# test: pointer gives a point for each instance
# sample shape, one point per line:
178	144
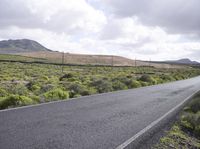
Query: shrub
47	87
35	87
117	85
67	76
18	89
132	83
195	104
187	122
197	130
124	80
76	88
191	122
146	78
165	77
72	79
56	94
88	91
158	80
144	83
77	95
15	100
35	98
3	93
102	85
135	84
46	78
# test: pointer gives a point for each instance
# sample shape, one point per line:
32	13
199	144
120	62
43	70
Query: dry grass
94	59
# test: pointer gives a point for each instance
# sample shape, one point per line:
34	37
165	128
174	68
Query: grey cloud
136	45
175	16
111	31
14	13
18	13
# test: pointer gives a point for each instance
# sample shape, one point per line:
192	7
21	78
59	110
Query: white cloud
81	27
69	16
180	16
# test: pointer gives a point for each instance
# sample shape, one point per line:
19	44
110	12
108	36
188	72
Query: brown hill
83	59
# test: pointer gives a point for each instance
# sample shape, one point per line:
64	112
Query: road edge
93	95
135	141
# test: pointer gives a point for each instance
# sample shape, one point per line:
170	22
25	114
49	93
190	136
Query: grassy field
185	134
29	83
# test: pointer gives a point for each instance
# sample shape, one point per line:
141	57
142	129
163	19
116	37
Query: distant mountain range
20	46
30	48
183	61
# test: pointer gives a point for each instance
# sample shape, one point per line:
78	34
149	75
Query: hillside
20	46
32	49
83	59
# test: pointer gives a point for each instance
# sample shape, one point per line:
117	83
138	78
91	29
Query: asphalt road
94	122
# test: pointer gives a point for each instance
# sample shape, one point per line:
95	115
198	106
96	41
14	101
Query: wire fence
80	59
61	58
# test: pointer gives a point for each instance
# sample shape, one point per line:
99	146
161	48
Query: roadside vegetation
185	134
24	84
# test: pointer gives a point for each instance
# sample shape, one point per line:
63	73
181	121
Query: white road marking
154	123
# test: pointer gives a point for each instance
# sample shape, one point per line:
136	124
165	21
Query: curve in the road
100	121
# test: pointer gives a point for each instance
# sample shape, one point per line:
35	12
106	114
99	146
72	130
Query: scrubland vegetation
24	84
185	134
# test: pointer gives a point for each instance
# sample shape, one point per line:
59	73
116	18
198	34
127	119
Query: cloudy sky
142	29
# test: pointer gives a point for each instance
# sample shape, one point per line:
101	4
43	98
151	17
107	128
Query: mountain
20	46
32	49
184	61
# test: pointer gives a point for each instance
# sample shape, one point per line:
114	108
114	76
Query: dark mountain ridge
183	61
20	46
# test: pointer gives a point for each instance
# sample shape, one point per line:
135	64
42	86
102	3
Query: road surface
95	122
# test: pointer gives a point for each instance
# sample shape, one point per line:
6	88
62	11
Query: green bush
122	79
76	88
186	125
18	89
135	84
35	98
146	78
88	91
66	76
102	85
76	96
56	94
167	78
144	83
197	130
3	92
195	104
15	100
90	80
47	87
46	78
35	87
191	122
117	85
